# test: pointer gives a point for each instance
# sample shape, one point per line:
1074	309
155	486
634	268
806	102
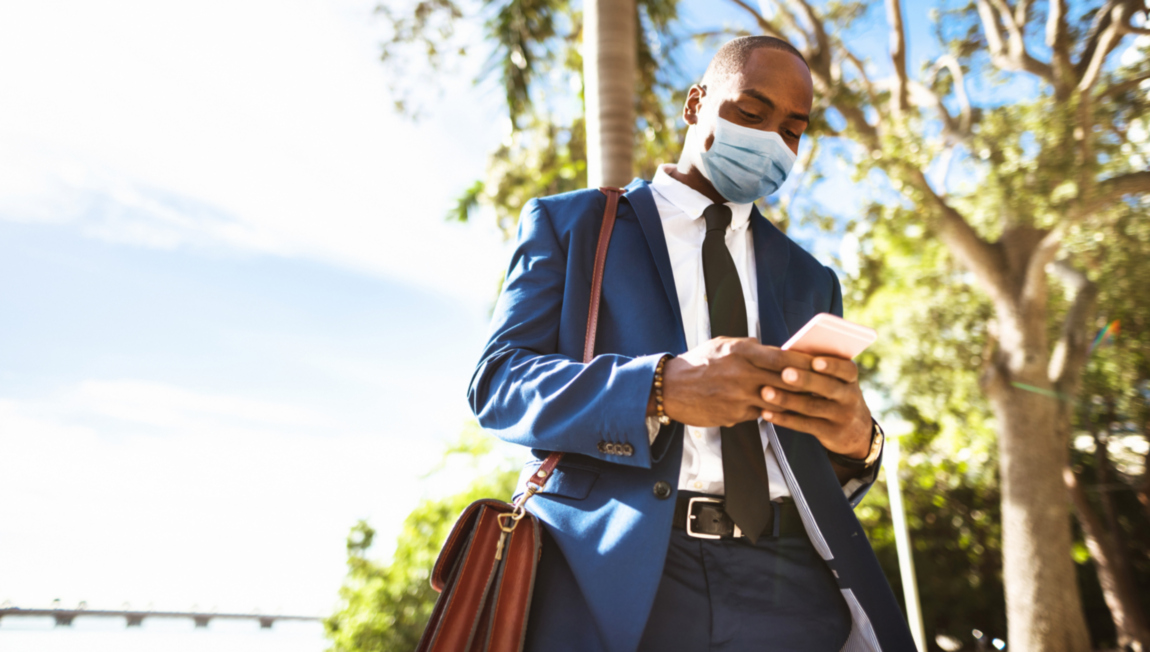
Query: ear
691	108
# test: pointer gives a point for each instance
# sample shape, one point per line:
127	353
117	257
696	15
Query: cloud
249	126
176	409
163	494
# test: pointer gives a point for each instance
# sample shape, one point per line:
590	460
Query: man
705	498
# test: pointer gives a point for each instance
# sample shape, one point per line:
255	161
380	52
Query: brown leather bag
486	570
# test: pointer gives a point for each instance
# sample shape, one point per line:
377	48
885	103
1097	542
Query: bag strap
536	482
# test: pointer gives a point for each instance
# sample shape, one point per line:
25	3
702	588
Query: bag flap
457	540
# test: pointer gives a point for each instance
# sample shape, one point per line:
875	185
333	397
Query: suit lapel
772	254
639	197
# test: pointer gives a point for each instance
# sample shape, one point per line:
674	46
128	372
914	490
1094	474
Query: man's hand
716	384
819	396
730	380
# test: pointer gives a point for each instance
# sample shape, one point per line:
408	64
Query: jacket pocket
566	481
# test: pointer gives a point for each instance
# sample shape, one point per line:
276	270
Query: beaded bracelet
659	413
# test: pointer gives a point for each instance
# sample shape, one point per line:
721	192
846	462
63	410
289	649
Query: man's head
756	82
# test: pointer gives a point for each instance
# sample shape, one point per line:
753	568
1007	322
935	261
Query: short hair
734	54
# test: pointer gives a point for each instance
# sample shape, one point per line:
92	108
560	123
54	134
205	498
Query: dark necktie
748	493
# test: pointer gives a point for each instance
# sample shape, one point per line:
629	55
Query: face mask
744	164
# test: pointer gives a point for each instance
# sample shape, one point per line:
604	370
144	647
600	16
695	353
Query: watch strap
877	439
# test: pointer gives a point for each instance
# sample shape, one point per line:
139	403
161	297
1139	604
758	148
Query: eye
748	115
790	134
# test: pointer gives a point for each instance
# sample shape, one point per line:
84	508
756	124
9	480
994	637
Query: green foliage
955	537
385	606
931	343
1004	150
535	58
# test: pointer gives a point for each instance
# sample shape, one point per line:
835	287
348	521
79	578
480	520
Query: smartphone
826	334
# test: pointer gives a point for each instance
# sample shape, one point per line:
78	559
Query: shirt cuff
652	428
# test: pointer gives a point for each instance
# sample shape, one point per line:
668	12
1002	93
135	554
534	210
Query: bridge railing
135	617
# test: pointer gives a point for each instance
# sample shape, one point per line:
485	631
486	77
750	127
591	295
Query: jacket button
662	490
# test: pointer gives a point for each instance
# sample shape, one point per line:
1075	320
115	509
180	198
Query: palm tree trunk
609	47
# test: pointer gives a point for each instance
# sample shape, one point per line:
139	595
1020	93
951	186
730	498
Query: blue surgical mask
745	164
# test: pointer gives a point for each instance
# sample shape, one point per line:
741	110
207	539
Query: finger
810	381
810	425
804	404
773	358
844	370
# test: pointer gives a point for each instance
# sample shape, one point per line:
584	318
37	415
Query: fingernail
769	393
790	375
768	415
819	364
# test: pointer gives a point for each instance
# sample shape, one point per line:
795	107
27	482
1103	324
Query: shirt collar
691	201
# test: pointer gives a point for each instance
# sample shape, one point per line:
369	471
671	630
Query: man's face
771	93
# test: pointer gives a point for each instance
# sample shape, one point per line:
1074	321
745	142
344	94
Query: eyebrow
766	100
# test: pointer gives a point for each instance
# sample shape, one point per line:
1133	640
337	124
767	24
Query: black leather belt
703	517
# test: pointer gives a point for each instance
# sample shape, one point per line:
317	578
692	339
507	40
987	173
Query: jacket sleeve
525	392
855	488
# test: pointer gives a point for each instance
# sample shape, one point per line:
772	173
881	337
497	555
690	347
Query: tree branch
975	253
990	28
1143	490
793	21
1058	40
1112	190
923	95
1108	28
899	101
1113	570
951	63
1033	291
867	85
1022	12
820	59
1073	346
820	55
764	24
1121	87
816	25
1010	54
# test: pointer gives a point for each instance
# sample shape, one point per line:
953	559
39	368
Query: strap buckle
691	518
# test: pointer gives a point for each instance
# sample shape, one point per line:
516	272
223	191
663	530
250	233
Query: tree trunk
1043	606
1143	491
609	47
1113	571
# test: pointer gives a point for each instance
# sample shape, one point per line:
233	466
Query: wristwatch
876	440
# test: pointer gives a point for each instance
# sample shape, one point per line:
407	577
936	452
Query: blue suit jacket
530	388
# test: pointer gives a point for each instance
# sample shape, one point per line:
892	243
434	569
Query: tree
384	607
1114	407
1043	164
991	195
623	121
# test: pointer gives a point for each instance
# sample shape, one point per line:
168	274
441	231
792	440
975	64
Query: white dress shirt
681	212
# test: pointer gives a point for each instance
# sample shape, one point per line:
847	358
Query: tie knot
718	217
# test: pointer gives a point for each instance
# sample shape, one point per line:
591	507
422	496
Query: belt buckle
691	516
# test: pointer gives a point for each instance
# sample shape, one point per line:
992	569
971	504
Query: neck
689	174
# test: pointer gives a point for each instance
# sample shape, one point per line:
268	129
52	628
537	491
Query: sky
233	320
